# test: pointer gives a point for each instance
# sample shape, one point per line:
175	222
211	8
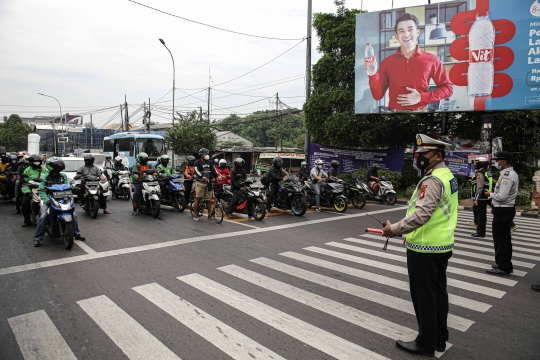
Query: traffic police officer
483	180
503	199
430	223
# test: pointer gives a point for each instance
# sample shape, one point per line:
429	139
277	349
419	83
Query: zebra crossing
379	278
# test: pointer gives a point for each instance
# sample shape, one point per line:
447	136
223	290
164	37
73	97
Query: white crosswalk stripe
515	240
133	339
525	235
322	340
469	216
458	238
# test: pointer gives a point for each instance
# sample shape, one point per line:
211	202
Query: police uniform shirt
429	193
480	181
506	190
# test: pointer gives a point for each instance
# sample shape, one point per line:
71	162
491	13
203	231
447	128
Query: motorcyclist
205	173
107	165
215	161
373	177
238	175
304	171
12	177
4	161
277	174
54	166
332	172
90	170
189	173
18	184
31	173
139	173
117	166
164	169
317	177
225	177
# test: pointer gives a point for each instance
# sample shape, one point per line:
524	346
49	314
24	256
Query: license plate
92	183
153	183
178	181
62	194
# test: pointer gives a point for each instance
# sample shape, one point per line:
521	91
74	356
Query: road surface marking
377	297
166	244
453	259
134	340
38	338
241	223
515	235
402	270
517	220
488	240
450	269
489	245
357	317
85	247
311	335
219	334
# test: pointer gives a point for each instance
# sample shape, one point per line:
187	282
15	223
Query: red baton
374	231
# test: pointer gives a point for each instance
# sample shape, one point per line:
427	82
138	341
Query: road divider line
311	335
455	322
219	334
166	244
402	270
133	339
352	315
453	259
38	338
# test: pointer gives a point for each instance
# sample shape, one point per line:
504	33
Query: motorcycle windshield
60	187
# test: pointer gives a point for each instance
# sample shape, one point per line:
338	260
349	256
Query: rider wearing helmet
373	177
189	173
55	176
117	166
139	173
107	165
317	177
12	177
89	170
164	169
332	172
304	171
277	174
205	174
4	161
238	176
18	184
225	174
482	181
31	173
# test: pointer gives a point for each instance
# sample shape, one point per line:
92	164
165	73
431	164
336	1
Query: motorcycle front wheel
390	198
93	209
127	193
179	202
358	200
156	208
66	233
340	204
298	205
259	210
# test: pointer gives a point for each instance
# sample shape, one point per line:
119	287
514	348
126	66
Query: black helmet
239	162
191	158
278	162
375	166
35	161
55	164
89	159
334	164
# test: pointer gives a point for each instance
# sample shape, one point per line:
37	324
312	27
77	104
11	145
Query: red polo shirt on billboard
397	73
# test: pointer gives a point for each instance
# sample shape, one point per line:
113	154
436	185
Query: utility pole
148	117
200	113
121	118
127	116
308	72
144	119
277	115
91	133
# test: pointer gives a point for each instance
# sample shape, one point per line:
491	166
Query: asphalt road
313	287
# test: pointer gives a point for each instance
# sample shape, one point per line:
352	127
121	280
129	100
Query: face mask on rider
144	161
206	157
191	163
422	162
319	167
37	163
216	160
222	166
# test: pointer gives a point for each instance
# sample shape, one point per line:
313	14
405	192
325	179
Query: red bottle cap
482	13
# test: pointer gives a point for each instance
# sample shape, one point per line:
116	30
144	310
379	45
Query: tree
189	135
14	133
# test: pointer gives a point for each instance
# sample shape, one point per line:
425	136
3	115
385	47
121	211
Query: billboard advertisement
354	159
470	55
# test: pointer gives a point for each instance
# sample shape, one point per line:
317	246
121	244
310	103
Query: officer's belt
513	205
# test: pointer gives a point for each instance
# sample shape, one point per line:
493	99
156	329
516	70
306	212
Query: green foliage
14	133
392	176
260	128
345	177
409	176
410	191
361	173
189	135
524	197
465	193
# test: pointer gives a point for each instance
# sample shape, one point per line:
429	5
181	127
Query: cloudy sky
89	54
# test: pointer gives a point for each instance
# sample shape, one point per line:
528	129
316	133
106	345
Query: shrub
345	177
524	197
465	193
409	191
361	173
392	176
409	176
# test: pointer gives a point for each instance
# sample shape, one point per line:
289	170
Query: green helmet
204	151
141	157
159	160
55	164
303	163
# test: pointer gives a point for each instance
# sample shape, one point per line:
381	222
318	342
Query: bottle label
481	55
369	59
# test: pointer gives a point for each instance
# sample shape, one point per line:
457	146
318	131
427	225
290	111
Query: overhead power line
211	26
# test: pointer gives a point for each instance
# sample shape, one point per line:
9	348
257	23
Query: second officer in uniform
430	223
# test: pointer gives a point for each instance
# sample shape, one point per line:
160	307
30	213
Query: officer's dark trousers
427	280
480	217
503	217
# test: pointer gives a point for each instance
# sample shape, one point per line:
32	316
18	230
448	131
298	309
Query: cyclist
205	173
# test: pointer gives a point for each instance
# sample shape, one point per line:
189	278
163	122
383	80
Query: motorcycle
90	201
290	196
59	220
354	192
151	195
4	183
251	198
35	205
105	186
385	193
175	195
332	194
123	187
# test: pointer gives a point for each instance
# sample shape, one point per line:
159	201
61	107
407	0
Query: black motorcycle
90	200
250	199
290	196
332	194
354	191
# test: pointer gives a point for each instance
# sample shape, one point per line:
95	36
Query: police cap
424	144
504	155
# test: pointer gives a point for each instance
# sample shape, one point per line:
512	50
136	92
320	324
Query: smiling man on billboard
407	73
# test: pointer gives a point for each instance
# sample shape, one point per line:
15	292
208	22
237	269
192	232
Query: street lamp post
61	122
173	87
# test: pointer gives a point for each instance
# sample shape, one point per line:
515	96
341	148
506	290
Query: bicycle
217	211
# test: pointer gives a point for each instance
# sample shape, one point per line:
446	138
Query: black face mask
422	162
222	166
144	161
165	164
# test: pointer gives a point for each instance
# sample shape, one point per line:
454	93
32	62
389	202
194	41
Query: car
72	165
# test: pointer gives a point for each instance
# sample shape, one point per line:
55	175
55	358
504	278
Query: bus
127	145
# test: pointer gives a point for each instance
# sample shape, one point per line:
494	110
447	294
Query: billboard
470	55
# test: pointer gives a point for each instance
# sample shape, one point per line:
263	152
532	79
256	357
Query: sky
90	54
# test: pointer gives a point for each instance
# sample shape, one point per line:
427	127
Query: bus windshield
152	147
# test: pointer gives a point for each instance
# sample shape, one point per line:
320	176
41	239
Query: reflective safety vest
437	235
488	185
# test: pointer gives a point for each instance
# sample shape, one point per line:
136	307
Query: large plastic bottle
371	62
481	43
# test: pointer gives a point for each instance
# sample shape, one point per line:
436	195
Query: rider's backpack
265	179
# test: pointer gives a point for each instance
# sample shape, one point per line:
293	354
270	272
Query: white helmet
481	159
222	161
318	162
118	159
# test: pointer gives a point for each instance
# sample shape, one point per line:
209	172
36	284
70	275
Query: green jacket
30	174
42	184
165	170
